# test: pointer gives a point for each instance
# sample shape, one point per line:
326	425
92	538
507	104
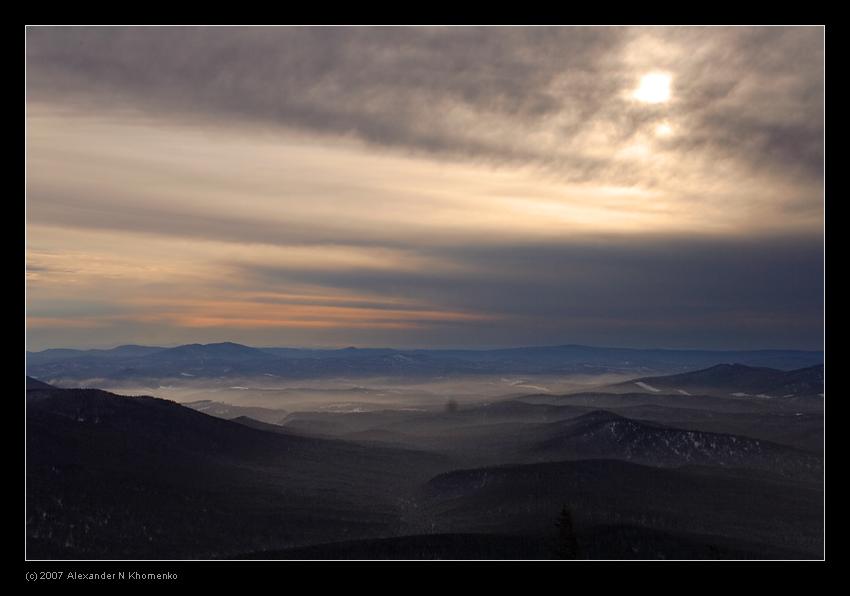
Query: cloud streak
539	95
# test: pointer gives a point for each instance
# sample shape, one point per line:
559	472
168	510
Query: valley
450	466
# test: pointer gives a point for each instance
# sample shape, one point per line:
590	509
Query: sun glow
663	130
653	88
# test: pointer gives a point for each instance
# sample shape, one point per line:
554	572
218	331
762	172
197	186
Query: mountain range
723	461
111	476
732	379
227	360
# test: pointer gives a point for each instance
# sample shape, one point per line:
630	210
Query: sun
654	88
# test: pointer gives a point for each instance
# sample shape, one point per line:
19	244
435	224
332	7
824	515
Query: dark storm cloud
751	93
387	86
737	285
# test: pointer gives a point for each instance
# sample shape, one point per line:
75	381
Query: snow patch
646	386
537	387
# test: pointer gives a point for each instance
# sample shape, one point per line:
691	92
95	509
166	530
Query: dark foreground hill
139	477
36	384
751	508
617	542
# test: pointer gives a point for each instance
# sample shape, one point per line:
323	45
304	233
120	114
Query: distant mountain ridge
230	359
735	380
224	351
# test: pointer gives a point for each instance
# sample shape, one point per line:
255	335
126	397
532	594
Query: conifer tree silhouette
566	546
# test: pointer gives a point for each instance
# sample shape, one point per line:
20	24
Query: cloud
557	97
648	278
227	187
425	186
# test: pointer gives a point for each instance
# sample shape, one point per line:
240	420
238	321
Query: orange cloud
247	314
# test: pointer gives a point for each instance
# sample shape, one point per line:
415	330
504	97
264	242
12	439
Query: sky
425	186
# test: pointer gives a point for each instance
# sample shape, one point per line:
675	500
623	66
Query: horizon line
430	349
